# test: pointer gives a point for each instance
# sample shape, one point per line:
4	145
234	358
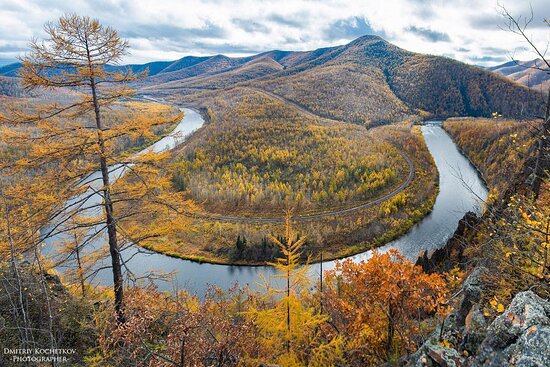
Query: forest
504	148
339	91
264	167
514	236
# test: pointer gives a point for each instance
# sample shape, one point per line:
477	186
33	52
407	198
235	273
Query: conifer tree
73	143
289	331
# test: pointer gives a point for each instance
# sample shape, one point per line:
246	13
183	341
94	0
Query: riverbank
160	132
315	257
398	224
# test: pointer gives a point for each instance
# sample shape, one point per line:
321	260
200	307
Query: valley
330	135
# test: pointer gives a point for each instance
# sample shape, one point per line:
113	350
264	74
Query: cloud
171	29
350	28
486	22
489	59
250	26
429	35
296	21
11	48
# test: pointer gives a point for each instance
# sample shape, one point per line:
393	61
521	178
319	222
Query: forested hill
368	80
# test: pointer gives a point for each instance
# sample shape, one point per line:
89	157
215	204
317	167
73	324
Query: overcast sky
467	30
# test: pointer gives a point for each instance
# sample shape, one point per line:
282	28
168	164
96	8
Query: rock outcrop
448	256
519	337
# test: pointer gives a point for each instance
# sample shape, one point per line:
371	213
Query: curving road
303	218
297	106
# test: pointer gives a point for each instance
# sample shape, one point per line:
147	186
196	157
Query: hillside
10	87
523	73
367	81
253	69
492	146
10	70
506	248
191	67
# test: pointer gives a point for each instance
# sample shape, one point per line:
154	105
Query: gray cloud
164	31
10	48
540	8
250	26
494	50
488	59
428	34
224	49
485	22
296	21
350	28
500	52
520	10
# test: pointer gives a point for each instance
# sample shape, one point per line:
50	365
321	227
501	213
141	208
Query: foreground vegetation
361	315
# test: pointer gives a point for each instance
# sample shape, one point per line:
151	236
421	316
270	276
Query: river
460	190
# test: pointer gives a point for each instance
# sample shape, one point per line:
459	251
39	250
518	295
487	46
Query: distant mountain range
526	73
368	79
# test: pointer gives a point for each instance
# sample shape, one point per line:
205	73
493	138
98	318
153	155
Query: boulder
433	354
519	337
472	289
447	257
526	310
475	330
532	348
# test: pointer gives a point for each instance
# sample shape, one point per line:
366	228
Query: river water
460	190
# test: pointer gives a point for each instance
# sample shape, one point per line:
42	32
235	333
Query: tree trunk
288	305
24	330
108	206
391	332
79	264
321	284
111	227
543	149
45	288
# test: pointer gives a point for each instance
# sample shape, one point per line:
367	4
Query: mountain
368	80
189	67
525	72
253	69
154	67
10	70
